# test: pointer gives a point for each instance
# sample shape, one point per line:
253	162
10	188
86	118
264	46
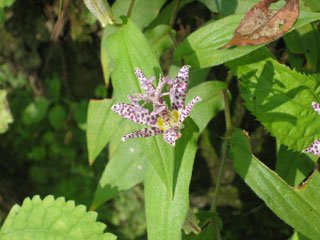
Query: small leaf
35	111
52	219
299	207
5	113
261	25
57	116
80	114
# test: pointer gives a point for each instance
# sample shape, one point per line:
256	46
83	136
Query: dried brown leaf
261	24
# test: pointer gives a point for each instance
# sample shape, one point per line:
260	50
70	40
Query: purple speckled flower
314	148
161	120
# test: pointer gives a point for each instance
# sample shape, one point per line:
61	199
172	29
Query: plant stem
174	13
171	22
224	156
130	8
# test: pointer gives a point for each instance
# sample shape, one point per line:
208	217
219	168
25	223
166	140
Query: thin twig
130	8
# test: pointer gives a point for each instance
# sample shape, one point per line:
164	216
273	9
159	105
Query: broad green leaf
5	113
52	219
159	38
280	98
166	215
211	102
305	40
101	125
294	167
6	3
139	16
238	6
35	111
314	5
126	167
200	49
128	48
57	116
299	207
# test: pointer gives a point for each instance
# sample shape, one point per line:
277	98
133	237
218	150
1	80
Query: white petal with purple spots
314	148
129	112
146	132
179	89
316	107
171	135
186	111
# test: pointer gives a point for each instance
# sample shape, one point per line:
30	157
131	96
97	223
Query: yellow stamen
175	114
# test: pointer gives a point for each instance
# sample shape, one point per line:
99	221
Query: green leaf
52	219
6	3
128	49
126	167
159	38
143	13
200	49
294	167
53	87
299	207
57	116
35	111
305	40
5	113
280	98
211	102
314	5
101	125
166	215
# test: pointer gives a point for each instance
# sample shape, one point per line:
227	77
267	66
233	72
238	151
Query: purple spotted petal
171	135
179	89
316	107
129	112
314	148
145	83
134	100
186	111
146	132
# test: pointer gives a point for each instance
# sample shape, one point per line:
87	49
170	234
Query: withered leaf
261	24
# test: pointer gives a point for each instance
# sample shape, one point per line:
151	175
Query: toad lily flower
161	120
314	148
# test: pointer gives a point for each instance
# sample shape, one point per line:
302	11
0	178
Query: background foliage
55	57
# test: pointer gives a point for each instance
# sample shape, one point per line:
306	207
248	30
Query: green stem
174	13
130	8
224	156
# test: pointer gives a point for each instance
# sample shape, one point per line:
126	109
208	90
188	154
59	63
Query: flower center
168	120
